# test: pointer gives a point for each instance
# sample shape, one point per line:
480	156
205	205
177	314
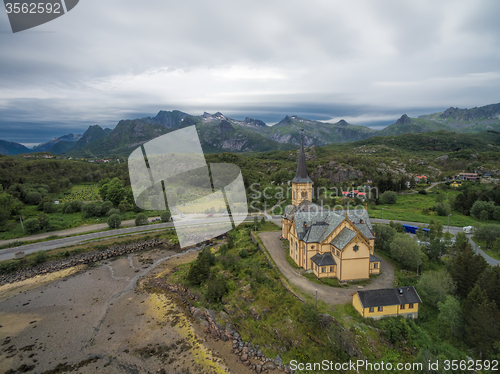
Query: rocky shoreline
247	353
79	259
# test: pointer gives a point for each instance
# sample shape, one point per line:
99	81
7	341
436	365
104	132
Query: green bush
114	221
389	197
32	225
141	219
33	198
422	191
243	253
165	216
216	289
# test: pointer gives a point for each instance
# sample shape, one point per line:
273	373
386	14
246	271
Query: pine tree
465	271
482	321
489	281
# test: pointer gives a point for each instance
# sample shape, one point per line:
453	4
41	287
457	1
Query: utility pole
449	222
316	298
21	219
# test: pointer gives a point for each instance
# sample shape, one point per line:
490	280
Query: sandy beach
98	319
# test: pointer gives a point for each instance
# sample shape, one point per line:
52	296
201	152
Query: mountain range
219	133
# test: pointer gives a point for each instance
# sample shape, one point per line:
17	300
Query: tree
450	315
32	225
223	249
443	209
33	198
115	191
141	219
389	197
114	221
465	270
435	286
216	289
489	281
4	216
482	321
113	211
488	234
165	216
383	236
482	206
406	251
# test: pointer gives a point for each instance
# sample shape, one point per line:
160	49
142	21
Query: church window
331	269
323	269
376	265
355	248
312	247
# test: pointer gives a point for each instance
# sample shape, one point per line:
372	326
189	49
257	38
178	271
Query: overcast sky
365	61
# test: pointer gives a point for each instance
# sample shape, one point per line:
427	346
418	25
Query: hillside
12	149
452	119
69	138
315	132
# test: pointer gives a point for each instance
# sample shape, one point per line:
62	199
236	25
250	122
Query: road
8	254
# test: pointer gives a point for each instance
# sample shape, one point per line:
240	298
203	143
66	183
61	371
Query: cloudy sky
365	61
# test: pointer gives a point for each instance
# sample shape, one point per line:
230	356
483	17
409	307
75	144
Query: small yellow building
456	184
331	243
387	302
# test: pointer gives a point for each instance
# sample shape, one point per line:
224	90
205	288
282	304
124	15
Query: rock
258	368
244	357
270	366
442	158
278	360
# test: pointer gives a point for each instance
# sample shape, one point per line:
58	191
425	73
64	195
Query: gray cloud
367	61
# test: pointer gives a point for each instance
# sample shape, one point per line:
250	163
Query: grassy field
82	193
415	208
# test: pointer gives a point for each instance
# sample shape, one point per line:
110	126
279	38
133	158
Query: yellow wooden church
333	243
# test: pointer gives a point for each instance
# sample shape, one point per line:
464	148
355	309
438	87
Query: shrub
33	198
243	253
223	249
216	289
49	207
422	191
114	221
389	197
113	211
32	225
165	216
141	219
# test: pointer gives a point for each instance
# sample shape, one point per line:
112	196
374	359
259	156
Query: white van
469	229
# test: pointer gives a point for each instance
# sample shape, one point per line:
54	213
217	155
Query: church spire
301	176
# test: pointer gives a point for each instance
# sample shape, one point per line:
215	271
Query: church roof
325	259
301	176
343	238
314	223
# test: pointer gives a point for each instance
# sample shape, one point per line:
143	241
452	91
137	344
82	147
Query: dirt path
330	295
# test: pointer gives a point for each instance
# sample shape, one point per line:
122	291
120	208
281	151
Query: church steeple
301	183
301	176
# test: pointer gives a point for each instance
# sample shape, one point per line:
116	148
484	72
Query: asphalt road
8	254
